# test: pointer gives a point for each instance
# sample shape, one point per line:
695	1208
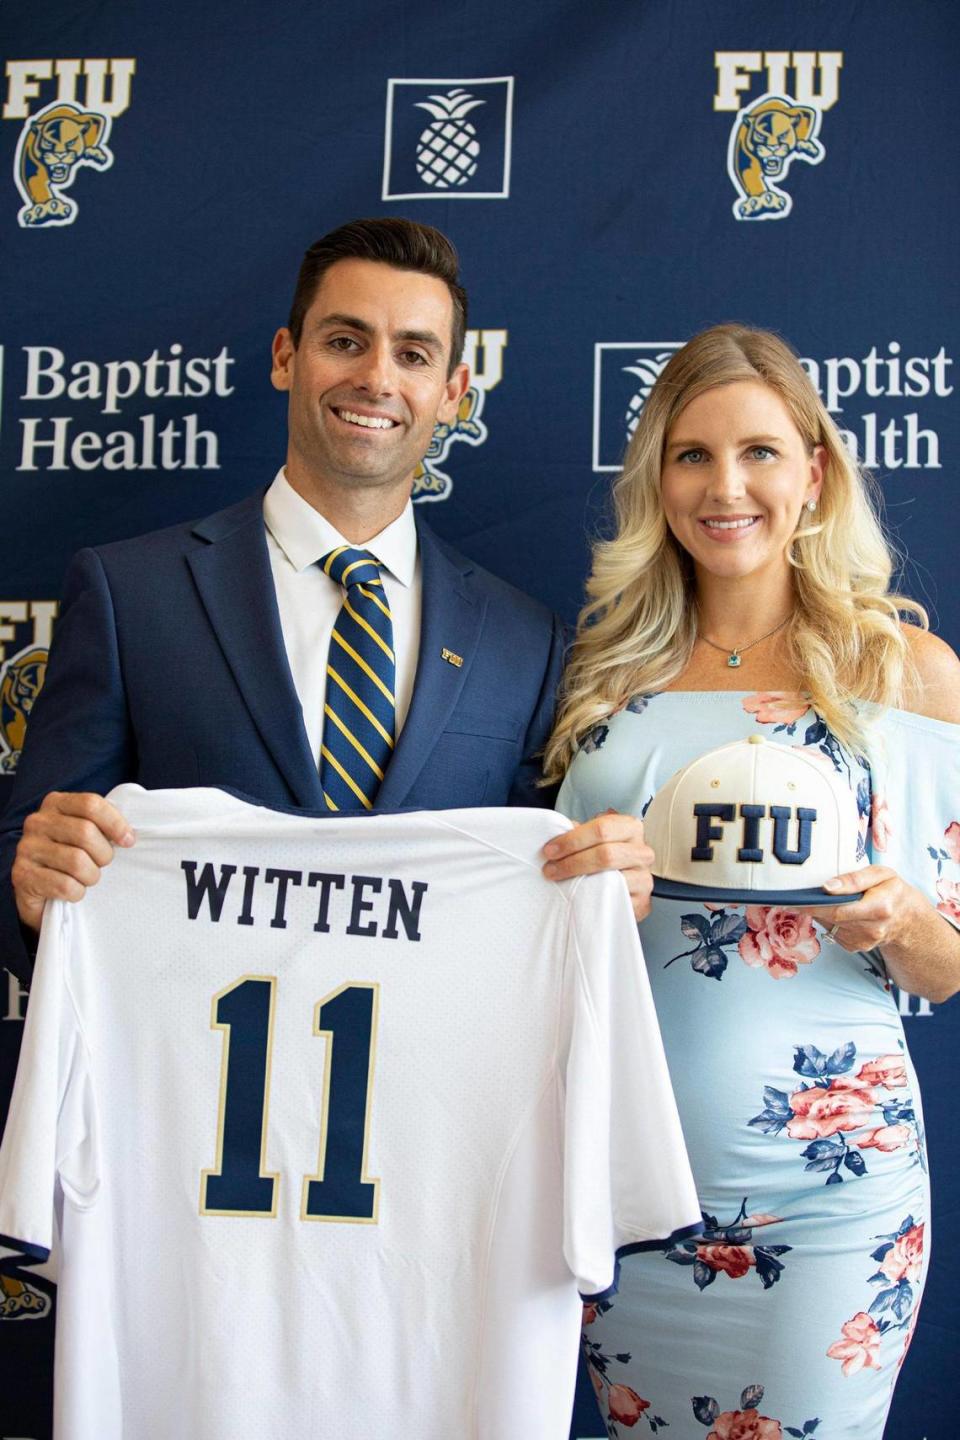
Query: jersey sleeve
915	805
49	1143
627	1180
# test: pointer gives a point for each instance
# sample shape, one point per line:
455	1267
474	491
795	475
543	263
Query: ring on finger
832	932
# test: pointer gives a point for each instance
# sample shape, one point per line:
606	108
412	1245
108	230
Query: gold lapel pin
451	658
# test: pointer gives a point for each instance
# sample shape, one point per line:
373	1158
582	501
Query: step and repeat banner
607	174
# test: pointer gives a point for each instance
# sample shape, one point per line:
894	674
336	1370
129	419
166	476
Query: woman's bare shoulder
937	694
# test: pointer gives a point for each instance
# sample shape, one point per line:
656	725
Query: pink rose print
904	1261
621	1402
880	822
624	1405
952	837
858	1349
733	1260
776	707
745	1425
819	1112
778	940
949	902
885	1138
887	1070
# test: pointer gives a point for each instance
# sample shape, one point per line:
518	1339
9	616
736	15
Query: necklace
733	656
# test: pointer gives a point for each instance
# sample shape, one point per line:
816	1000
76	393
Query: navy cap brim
815	895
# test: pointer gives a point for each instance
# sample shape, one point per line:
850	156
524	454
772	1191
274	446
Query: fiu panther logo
21	683
429	481
765	140
26	629
20	1301
54	144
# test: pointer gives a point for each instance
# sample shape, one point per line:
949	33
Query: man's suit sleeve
525	789
79	735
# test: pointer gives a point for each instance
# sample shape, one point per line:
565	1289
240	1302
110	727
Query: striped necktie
359	720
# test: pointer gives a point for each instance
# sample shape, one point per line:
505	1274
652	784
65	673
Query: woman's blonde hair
637	630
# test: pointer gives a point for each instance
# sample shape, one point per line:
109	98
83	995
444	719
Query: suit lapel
451	618
232	573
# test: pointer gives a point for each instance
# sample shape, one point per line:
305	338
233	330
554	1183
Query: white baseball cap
754	821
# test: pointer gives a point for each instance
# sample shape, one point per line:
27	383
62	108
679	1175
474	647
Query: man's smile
366	422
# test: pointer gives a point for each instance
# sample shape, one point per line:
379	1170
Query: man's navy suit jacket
168	668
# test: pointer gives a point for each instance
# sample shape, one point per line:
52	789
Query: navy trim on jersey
686	1233
27	1254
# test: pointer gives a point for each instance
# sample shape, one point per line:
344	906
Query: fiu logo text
429	481
66	127
776	127
26	627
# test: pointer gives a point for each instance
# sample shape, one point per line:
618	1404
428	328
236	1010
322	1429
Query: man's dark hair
390	240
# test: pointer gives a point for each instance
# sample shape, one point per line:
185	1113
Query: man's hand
608	842
64	846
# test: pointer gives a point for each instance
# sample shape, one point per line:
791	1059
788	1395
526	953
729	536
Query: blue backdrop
167	166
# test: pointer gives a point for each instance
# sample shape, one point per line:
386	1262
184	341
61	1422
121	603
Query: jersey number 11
239	1183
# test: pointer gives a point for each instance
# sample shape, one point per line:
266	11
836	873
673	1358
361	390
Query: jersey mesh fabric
499	1195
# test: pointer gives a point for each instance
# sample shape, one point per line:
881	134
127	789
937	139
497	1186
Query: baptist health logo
879	436
26	628
102	392
66	132
461	152
777	127
483	356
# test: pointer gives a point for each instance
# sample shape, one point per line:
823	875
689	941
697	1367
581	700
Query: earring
811	505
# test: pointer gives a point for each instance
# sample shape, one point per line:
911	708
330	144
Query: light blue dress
799	1105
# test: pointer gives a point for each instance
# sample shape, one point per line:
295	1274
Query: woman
747	589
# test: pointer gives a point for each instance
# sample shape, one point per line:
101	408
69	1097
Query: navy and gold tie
359	712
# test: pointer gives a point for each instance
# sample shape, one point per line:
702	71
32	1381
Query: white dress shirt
297	537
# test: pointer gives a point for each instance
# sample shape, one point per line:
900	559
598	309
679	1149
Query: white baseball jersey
326	1121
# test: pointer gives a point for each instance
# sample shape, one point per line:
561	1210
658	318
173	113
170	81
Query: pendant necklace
733	656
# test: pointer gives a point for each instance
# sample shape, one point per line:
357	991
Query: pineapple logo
448	150
624	373
462	153
647	372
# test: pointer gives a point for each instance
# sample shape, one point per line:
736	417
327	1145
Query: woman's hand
883	916
921	950
608	842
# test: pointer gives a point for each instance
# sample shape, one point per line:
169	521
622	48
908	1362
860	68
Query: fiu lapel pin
451	658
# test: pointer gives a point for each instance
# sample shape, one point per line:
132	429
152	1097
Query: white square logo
448	139
624	373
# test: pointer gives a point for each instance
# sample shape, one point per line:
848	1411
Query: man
198	655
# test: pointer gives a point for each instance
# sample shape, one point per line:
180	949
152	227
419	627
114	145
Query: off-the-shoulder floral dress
792	1313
